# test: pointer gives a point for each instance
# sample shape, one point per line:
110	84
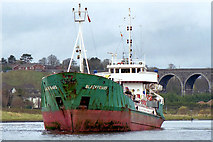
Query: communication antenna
113	55
79	48
129	40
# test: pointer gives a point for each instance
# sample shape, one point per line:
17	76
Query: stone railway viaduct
186	77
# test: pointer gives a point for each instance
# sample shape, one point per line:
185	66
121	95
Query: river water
171	130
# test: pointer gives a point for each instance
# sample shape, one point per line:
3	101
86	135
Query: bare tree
66	62
171	66
95	64
43	61
17	102
105	63
74	67
52	60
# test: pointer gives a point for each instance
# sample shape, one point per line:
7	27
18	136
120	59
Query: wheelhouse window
133	70
117	70
125	70
138	70
112	70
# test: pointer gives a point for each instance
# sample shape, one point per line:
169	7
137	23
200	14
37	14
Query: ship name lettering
94	87
51	88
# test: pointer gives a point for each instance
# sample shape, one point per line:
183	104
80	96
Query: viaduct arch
186	77
165	79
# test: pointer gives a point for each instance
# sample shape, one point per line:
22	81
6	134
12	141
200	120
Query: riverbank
35	115
188	117
8	116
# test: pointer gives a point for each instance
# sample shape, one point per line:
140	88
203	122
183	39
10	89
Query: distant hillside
26	83
22	79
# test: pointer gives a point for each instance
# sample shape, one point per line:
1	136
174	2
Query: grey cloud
171	32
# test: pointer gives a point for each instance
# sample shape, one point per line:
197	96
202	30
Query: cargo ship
123	99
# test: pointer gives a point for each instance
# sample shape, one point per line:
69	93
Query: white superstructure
136	78
139	84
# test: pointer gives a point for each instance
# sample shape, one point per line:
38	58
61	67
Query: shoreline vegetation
34	115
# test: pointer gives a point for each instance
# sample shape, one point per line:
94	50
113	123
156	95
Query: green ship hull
79	102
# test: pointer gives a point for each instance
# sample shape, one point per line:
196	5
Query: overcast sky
163	32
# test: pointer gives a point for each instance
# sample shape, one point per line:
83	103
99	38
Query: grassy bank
188	117
35	115
23	79
20	116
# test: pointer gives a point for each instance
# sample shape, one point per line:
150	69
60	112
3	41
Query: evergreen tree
11	59
3	61
26	58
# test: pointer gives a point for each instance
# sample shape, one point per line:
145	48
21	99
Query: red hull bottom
100	121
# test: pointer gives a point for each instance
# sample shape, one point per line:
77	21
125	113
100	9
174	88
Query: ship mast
129	41
79	48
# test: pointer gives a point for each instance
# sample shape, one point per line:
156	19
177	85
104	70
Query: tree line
52	61
27	58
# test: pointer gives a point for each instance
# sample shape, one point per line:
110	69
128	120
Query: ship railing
126	62
160	97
